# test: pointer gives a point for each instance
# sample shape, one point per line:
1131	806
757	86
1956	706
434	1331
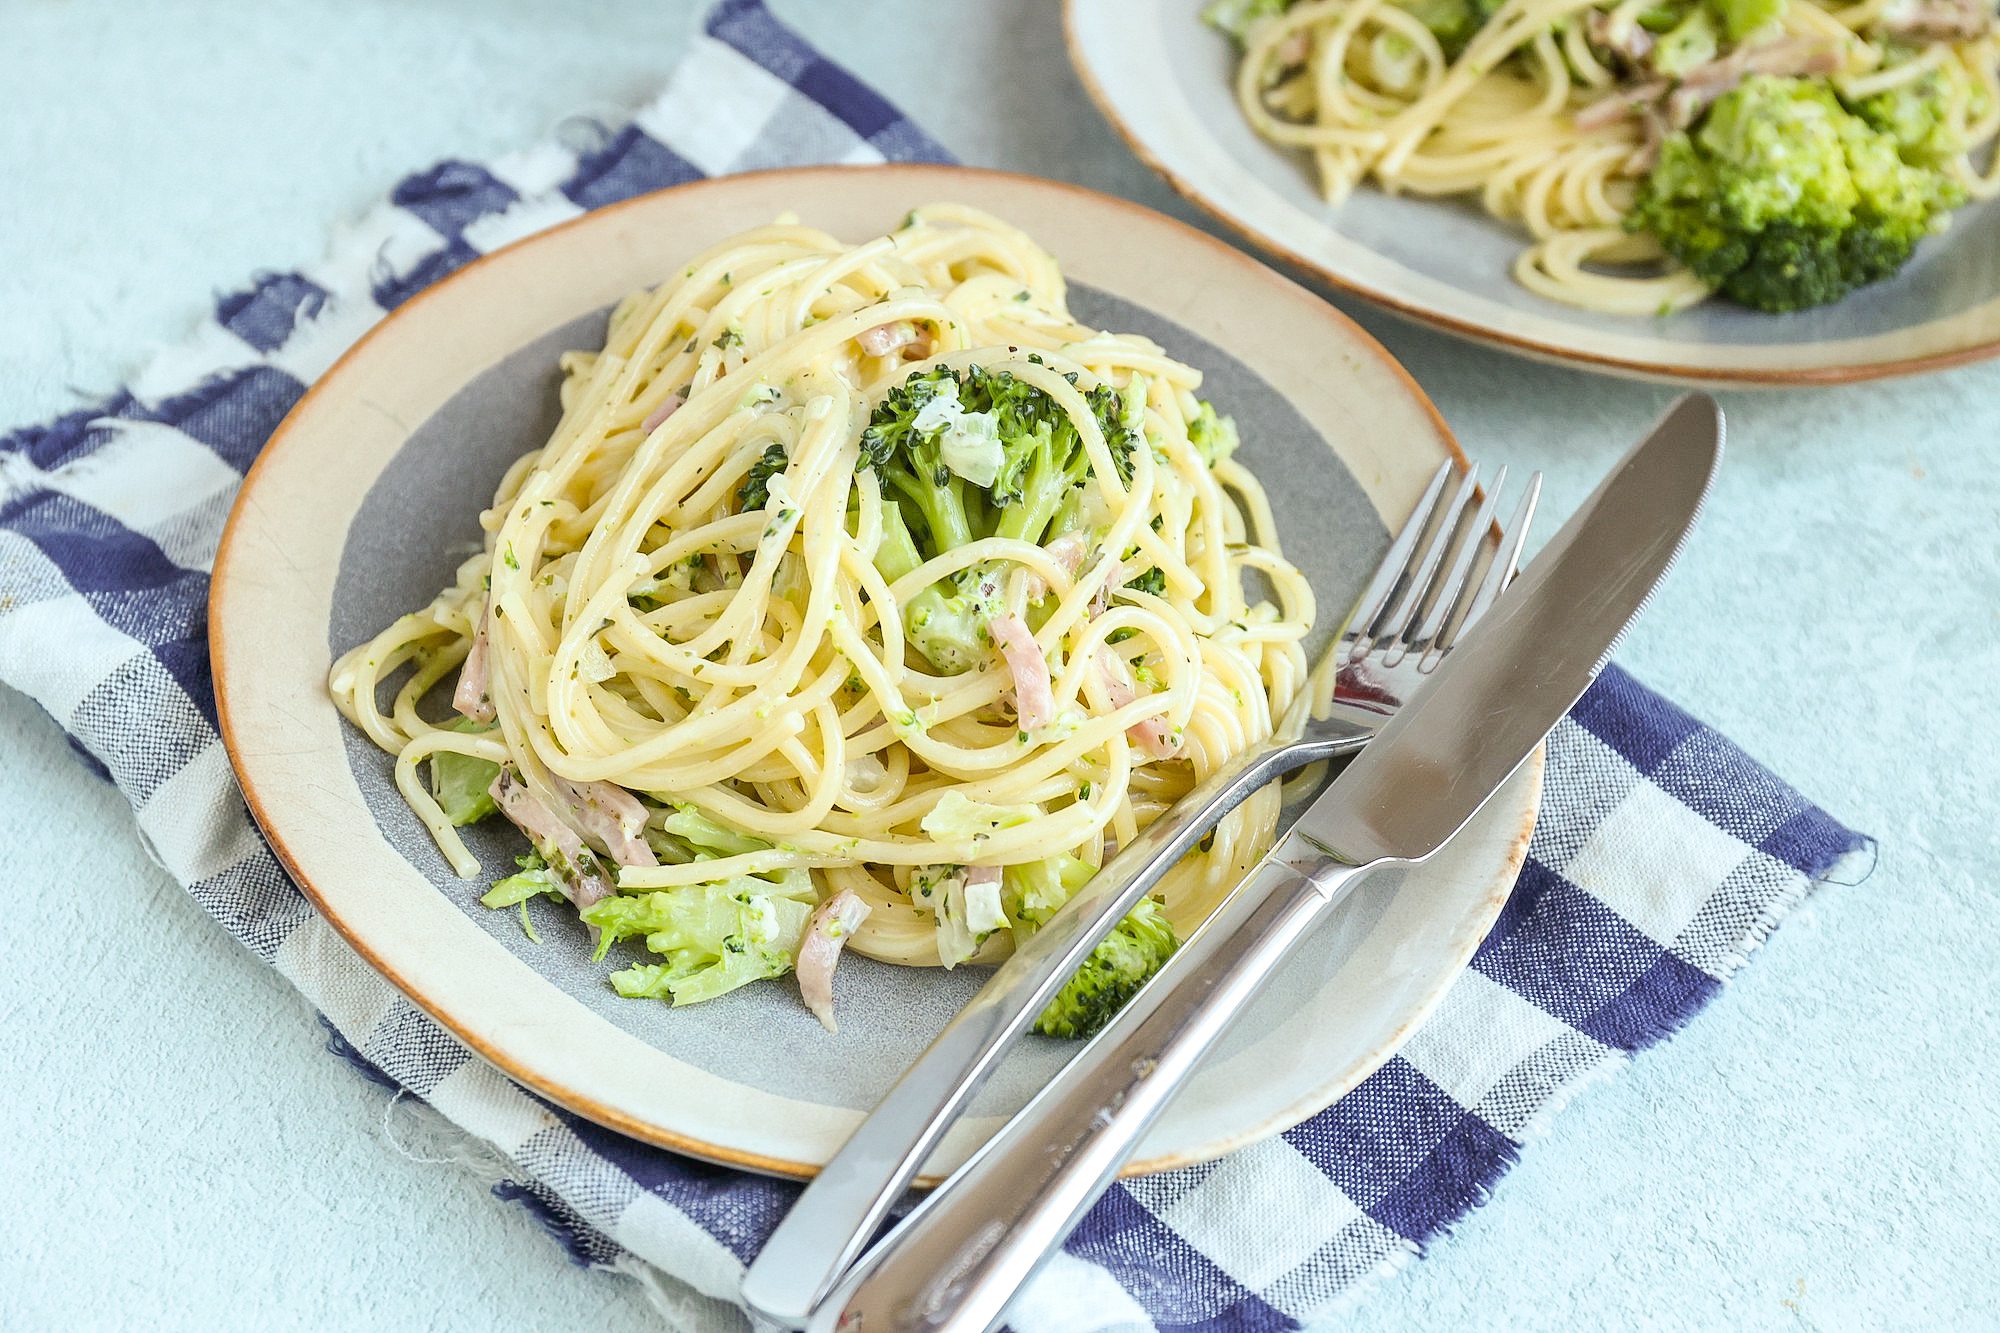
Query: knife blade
1490	703
961	1255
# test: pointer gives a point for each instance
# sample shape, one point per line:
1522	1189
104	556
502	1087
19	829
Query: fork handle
954	1264
841	1210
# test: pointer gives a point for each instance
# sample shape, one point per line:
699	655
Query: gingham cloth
1663	855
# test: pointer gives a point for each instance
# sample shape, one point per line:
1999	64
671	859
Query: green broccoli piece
1453	22
1213	437
708	836
1041	454
1783	200
911	461
1740	18
897	555
1689	44
1122	962
1046	461
533	878
1235	18
1914	117
932	441
1153	580
755	492
462	784
947	621
1661	18
1036	890
715	937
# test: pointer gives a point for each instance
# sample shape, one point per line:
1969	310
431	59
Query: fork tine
1395	565
1403	619
1456	586
1506	560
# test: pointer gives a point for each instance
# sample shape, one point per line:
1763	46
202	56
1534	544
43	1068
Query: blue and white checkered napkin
1663	855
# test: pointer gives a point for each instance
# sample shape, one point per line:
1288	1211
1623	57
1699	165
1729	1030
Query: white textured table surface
178	1151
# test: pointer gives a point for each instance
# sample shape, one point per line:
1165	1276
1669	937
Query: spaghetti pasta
1550	114
685	616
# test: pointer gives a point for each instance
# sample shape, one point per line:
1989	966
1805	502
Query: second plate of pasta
682	648
1748	191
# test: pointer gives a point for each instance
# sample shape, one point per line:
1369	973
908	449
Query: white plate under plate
367	497
1165	81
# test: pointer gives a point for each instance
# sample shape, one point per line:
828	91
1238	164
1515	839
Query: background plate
367	498
1165	81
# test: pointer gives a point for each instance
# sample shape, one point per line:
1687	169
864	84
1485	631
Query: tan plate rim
1529	347
330	382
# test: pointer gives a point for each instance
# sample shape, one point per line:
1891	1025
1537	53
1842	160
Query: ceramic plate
368	496
1164	80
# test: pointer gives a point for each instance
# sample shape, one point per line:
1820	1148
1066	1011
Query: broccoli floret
947	621
1453	22
1661	18
966	454
463	784
1783	200
755	492
1732	20
1235	18
1121	963
1740	18
898	554
951	500
1213	437
1037	889
911	462
1915	117
1689	44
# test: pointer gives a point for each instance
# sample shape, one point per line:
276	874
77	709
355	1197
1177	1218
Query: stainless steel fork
1416	606
1409	617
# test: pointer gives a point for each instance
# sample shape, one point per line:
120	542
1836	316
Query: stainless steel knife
957	1260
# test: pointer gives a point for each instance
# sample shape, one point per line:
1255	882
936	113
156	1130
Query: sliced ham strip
473	697
608	816
1939	20
1154	735
1610	110
1634	43
829	927
576	866
1034	696
1788	57
1679	105
661	413
1068	551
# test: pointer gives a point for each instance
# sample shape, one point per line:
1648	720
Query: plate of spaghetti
684	649
1748	191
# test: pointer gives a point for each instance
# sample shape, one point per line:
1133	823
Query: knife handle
843	1208
958	1259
